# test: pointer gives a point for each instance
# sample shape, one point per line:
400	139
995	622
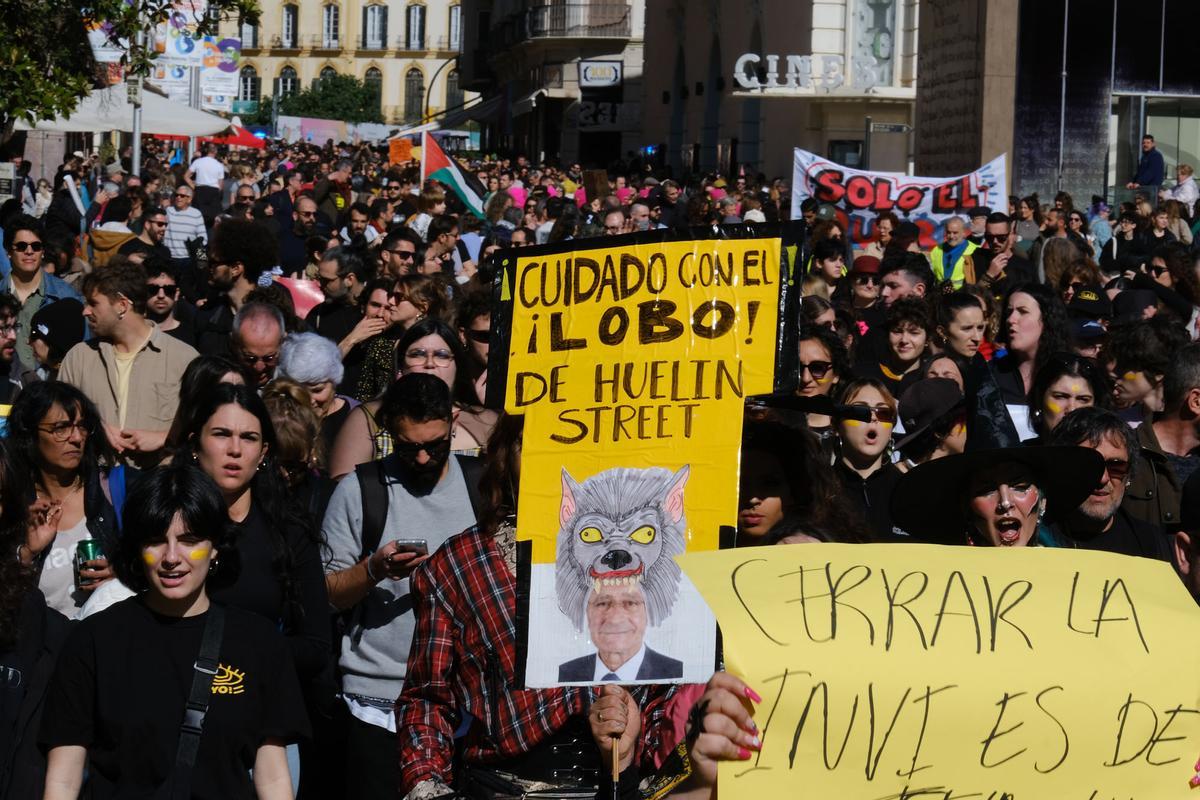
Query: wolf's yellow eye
643	535
591	535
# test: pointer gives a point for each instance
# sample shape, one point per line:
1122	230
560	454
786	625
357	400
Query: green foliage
342	97
46	64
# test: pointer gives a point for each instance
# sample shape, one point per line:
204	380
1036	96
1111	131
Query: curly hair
1055	337
1179	262
252	244
16	580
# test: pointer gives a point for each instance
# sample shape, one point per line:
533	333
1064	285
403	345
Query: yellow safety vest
937	260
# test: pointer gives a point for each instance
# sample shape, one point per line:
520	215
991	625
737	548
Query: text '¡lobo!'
576	280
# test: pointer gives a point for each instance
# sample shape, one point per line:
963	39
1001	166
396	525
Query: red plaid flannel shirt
463	660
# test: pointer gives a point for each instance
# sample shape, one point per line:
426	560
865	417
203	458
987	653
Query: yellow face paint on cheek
149	558
851	423
1053	406
823	381
1129	376
199	553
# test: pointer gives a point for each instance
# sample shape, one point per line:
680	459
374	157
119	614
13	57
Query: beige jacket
153	381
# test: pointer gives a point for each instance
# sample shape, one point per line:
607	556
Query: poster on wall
175	40
630	359
859	196
219	65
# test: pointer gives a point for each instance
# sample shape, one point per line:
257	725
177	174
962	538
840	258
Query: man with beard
239	253
475	330
165	306
382	521
996	265
150	241
292	255
1100	523
9	309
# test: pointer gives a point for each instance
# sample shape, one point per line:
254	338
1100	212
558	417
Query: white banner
175	40
860	196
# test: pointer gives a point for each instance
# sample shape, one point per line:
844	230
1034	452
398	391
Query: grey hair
257	312
310	358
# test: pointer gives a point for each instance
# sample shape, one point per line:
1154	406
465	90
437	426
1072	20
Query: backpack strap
374	494
472	469
197	704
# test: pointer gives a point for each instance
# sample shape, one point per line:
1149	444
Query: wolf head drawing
621	527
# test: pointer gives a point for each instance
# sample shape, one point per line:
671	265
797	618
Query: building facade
729	85
568	76
1066	89
409	48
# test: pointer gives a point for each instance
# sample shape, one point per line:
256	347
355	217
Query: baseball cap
924	403
754	215
1086	329
826	212
981	211
1091	302
59	324
114	168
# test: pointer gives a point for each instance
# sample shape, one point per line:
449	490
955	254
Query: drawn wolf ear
673	501
567	509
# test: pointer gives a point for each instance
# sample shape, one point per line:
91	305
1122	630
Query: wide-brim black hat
929	502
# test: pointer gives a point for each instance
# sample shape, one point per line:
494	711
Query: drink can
86	550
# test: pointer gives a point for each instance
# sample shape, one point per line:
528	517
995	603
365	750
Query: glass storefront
1174	122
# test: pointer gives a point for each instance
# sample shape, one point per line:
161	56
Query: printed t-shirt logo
228	680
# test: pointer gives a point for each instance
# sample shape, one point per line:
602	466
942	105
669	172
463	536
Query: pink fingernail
1197	767
750	726
1194	782
753	695
744	754
756	743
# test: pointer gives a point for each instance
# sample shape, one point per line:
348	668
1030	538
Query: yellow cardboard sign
891	672
631	365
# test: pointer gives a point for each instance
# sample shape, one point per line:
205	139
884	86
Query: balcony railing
288	43
578	21
372	43
323	42
411	45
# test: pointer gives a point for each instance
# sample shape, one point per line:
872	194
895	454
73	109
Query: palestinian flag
437	165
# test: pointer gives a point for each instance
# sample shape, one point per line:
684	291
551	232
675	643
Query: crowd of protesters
198	451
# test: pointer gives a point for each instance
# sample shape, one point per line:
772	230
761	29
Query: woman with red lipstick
122	680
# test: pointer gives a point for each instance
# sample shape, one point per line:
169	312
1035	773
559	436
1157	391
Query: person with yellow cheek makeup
864	429
822	362
1066	382
177	540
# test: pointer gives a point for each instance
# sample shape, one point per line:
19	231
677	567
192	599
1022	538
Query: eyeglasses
247	197
438	448
10	327
863	280
1158	270
882	414
403	255
61	431
419	355
169	290
1117	468
483	337
21	247
817	369
393	187
306	214
249	359
181	194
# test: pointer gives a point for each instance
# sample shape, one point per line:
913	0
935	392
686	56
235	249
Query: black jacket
655	667
43	630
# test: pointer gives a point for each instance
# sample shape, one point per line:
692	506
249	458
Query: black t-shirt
120	687
1127	536
334	319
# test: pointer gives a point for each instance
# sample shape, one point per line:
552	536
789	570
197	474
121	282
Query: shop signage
599	74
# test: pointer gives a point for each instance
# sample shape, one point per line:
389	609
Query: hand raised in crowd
720	728
143	441
393	563
615	717
998	263
365	329
41	528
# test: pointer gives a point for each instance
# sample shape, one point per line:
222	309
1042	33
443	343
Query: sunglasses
1117	468
403	255
438	448
249	359
1158	271
863	280
393	188
882	414
483	337
818	369
21	247
181	194
170	290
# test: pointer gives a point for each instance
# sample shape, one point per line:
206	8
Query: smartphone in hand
418	546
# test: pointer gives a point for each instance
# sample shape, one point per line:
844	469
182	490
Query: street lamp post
433	81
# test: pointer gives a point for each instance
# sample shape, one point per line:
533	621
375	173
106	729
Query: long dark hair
202	375
16	581
1057	366
268	491
462	392
1055	336
498	483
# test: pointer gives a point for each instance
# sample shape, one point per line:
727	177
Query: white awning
110	110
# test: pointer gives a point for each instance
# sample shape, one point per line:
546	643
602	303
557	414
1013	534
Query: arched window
454	94
373	79
374	34
331	20
455	27
328	73
287	81
248	86
291	16
414	28
414	95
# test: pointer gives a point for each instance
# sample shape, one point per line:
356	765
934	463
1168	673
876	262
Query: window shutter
366	13
257	89
383	28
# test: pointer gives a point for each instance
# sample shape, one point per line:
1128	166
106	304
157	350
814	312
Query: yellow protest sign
891	672
631	365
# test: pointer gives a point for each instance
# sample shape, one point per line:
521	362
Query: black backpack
373	488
